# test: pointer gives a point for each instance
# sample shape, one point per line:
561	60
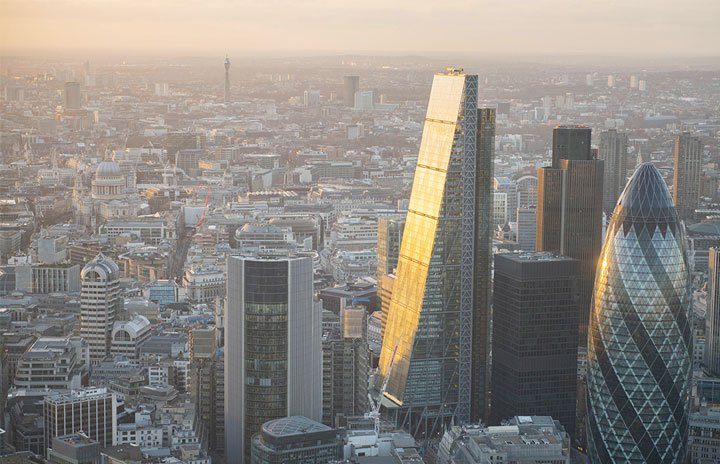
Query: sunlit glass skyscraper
437	323
640	345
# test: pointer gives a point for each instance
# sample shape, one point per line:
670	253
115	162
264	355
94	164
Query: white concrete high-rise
273	354
711	361
100	303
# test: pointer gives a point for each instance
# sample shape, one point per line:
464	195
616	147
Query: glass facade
640	345
266	343
388	248
571	143
432	309
273	358
295	440
535	337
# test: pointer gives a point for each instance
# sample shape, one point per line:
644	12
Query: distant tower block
226	95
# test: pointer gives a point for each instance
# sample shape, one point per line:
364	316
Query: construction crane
207	203
374	413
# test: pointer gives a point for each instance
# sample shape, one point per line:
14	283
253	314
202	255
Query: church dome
108	169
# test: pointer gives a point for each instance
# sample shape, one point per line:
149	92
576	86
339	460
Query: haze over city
486	27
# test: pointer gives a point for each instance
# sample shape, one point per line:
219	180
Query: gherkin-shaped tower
640	345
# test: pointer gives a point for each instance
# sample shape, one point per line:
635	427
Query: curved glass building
640	346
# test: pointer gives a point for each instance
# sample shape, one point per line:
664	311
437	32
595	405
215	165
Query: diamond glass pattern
639	356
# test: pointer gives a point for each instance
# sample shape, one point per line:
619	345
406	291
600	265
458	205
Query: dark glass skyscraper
640	346
535	337
613	151
570	196
686	177
571	143
482	289
351	84
437	326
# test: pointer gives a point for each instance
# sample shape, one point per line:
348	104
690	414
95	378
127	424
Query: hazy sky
658	27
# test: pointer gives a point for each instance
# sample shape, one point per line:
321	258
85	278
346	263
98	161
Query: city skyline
643	27
278	232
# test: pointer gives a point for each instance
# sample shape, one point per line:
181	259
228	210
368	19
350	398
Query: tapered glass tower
640	346
437	319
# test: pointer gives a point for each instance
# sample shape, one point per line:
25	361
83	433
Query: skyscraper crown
645	203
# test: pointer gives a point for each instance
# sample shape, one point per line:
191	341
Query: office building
311	98
44	278
613	150
527	189
188	160
436	336
53	363
123	454
163	292
509	188
295	440
535	336
92	411
100	303
52	249
351	84
704	436
346	367
640	346
686	176
364	100
390	232
569	210
204	284
76	448
203	343
571	143
73	97
500	209
128	336
363	293
216	435
711	359
183	140
389	235
273	354
385	288
206	386
162	89
15	346
524	440
526	227
24	411
549	209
